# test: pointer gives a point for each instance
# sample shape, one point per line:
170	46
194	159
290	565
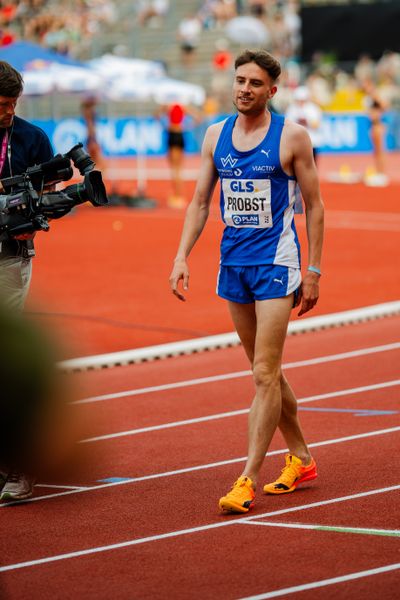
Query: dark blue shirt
29	146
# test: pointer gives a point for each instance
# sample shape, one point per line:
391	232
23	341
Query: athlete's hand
309	292
179	272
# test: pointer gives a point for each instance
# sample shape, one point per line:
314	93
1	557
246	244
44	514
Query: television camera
25	208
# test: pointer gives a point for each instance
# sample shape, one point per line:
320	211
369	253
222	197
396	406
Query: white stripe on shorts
294	280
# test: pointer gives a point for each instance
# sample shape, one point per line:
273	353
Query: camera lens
81	159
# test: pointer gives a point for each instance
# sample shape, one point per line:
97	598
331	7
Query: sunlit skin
262	324
7	111
253	88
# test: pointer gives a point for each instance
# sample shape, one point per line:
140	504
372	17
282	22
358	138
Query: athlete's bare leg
176	157
377	138
262	330
290	426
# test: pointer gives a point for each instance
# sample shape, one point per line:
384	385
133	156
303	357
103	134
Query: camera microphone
58	163
57	169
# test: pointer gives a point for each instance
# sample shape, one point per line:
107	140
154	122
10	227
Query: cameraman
22	145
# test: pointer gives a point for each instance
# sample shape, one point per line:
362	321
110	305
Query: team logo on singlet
228	161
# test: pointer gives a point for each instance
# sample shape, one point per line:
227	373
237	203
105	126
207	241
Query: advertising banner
147	136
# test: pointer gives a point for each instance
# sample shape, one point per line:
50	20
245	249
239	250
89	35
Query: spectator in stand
320	88
7	15
257	8
221	80
216	13
364	69
307	113
54	24
293	24
153	11
280	38
189	33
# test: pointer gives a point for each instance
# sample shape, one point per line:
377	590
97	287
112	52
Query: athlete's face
7	110
252	89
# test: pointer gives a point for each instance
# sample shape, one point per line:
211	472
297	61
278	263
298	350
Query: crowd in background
59	25
64	26
340	88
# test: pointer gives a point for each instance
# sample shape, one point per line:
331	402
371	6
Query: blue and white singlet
257	201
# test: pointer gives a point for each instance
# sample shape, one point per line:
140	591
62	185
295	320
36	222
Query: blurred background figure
307	113
222	62
257	8
189	33
36	421
376	107
176	114
88	109
152	12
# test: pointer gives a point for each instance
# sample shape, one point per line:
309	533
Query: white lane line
236	413
335	528
63	487
177	533
237	374
221	463
324	582
130	432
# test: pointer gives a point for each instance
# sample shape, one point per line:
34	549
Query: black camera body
26	209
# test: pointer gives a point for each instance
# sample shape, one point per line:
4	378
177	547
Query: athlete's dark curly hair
263	59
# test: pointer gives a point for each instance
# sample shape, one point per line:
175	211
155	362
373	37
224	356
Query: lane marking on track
186	470
335	528
63	487
235	413
237	374
177	533
324	582
356	412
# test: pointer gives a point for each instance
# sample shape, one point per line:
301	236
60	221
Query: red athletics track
106	272
156	533
101	275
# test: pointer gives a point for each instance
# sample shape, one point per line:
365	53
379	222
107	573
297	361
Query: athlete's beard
253	110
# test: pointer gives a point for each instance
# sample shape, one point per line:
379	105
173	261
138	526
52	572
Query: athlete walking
258	157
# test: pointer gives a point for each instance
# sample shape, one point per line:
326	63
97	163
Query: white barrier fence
225	340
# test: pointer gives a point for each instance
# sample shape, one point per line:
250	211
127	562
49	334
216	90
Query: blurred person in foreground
258	157
22	145
36	425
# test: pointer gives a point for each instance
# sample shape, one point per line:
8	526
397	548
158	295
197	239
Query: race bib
247	202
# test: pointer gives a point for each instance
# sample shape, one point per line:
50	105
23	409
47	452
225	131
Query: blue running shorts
261	282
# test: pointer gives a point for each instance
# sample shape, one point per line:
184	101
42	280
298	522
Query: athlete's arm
197	212
306	173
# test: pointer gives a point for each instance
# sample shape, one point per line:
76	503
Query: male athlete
258	157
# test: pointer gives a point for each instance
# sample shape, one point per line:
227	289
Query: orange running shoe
240	498
292	475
